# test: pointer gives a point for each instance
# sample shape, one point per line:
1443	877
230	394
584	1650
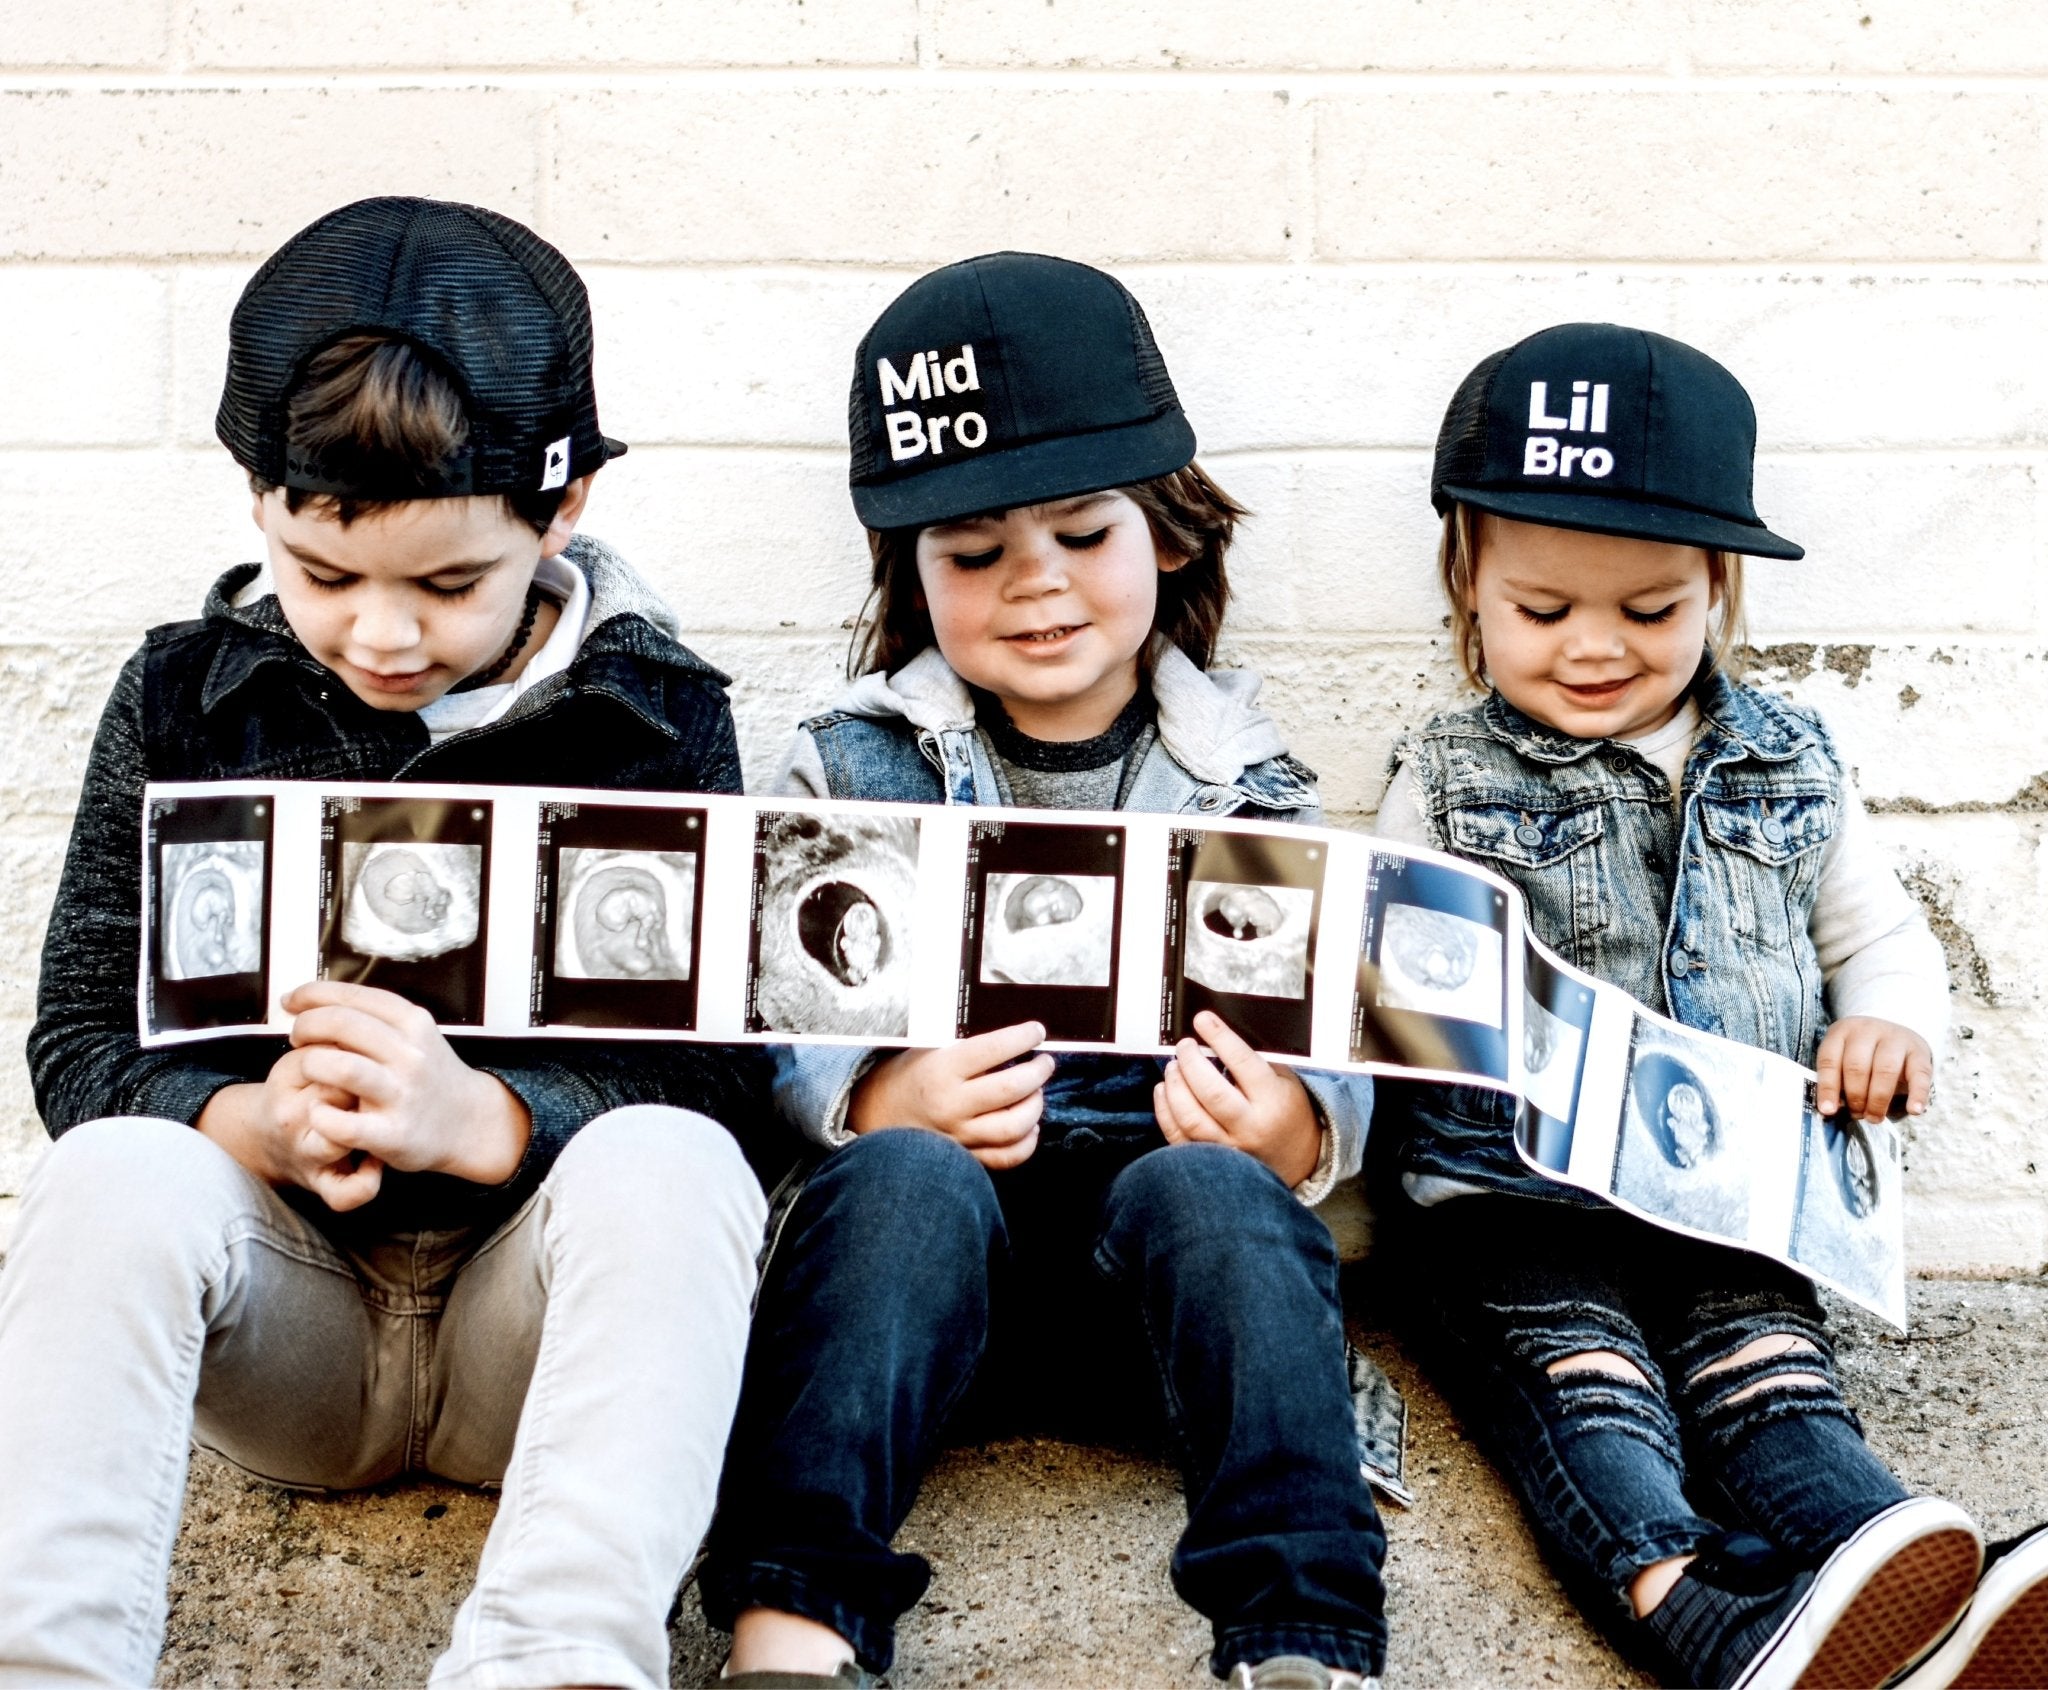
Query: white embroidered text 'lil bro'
1544	454
912	434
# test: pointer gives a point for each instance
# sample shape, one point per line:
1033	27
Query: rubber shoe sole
2002	1641
1877	1603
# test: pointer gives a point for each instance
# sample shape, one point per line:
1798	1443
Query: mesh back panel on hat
1461	442
495	307
866	450
1153	380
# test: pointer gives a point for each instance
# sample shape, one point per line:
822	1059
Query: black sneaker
1875	1605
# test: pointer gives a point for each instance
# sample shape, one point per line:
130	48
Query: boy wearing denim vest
368	1251
1667	1408
1094	1244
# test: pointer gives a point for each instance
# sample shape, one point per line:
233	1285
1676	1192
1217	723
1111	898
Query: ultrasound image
625	915
1252	940
833	902
406	902
212	906
1550	1057
1048	929
1440	964
1691	1101
1847	1223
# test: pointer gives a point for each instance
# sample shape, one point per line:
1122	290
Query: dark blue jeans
1615	1476
1087	1292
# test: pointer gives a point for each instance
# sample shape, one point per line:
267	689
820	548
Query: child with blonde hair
1666	1408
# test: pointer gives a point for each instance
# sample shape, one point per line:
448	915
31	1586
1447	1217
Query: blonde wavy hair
1457	564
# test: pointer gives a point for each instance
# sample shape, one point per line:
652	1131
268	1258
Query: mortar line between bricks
1890	270
855	77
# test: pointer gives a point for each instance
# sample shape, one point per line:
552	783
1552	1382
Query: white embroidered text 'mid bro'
1545	454
911	433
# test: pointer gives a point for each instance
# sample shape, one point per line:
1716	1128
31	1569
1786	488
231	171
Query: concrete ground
1051	1559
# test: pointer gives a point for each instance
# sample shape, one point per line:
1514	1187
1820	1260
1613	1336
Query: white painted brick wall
1331	209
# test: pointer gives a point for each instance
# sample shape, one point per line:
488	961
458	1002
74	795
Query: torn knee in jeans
1600	1361
1778	1361
1768	1348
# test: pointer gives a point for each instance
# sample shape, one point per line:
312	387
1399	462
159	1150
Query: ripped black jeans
1617	1473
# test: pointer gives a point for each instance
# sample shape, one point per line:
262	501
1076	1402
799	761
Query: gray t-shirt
1080	774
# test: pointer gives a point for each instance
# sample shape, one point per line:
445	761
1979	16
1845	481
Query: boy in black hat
367	1252
1088	1242
1667	1408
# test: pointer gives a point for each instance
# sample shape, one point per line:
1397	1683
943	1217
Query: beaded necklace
484	677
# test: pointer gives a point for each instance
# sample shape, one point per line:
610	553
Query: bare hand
268	1128
413	1103
1260	1109
963	1091
1864	1063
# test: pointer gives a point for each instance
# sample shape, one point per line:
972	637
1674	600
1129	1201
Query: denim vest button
1214	800
1529	834
1773	830
1617	759
1681	965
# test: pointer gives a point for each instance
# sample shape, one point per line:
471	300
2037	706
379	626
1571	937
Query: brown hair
378	403
1190	517
1457	563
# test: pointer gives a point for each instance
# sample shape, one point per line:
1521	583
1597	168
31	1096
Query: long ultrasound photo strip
543	912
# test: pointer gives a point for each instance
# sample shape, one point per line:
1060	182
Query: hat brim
1030	474
1634	519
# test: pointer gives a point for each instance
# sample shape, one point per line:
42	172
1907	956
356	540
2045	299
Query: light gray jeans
587	1354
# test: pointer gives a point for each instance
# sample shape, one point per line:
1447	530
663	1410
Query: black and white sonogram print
413	901
621	897
1847	1223
1241	933
833	900
1432	970
210	912
1437	963
1044	902
1557	1014
402	899
625	915
212	909
1692	1105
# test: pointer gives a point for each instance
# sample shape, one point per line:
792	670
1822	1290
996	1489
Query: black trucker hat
1611	430
1008	380
498	311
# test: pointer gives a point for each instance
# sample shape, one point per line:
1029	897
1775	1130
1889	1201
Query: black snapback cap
1610	430
1008	380
495	308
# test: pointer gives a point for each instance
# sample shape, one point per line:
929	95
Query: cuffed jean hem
1646	1549
767	1584
540	1669
1343	1650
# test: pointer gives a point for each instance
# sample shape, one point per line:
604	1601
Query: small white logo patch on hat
1543	454
929	379
554	466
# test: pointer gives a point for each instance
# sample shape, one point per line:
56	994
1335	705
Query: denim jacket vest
893	760
1700	910
1091	1100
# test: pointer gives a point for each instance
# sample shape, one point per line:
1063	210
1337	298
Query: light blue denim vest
1700	910
889	759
